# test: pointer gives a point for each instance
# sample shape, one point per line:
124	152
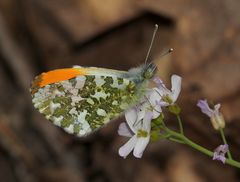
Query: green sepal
174	109
154	135
158	121
142	133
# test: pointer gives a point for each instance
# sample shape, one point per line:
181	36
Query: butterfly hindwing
83	104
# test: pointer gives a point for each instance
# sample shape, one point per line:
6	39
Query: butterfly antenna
150	47
166	52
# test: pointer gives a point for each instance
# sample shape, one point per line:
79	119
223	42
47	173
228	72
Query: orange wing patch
56	76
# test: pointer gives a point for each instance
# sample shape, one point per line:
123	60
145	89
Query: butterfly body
81	100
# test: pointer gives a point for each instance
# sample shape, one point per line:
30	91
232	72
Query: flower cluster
145	121
138	126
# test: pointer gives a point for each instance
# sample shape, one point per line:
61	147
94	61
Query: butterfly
82	99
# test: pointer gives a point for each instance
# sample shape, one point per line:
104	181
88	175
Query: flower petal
216	109
219	158
158	81
131	118
140	146
147	121
162	89
140	115
123	130
162	103
219	153
222	148
154	96
127	147
176	82
205	107
156	111
142	110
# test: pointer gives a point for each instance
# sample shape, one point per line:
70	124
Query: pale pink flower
169	96
138	131
215	116
219	153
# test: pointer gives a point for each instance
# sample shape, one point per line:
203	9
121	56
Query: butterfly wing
84	103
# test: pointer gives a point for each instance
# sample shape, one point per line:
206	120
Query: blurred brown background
37	36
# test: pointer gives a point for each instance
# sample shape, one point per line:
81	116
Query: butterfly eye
150	71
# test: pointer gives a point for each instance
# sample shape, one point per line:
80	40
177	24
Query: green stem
225	142
176	140
199	148
180	124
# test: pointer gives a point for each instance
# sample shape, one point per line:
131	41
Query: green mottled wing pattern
83	104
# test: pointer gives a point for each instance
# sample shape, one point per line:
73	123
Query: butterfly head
149	71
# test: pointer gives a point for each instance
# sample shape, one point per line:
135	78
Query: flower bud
218	121
214	114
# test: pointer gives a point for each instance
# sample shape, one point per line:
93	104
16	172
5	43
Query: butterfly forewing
83	104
